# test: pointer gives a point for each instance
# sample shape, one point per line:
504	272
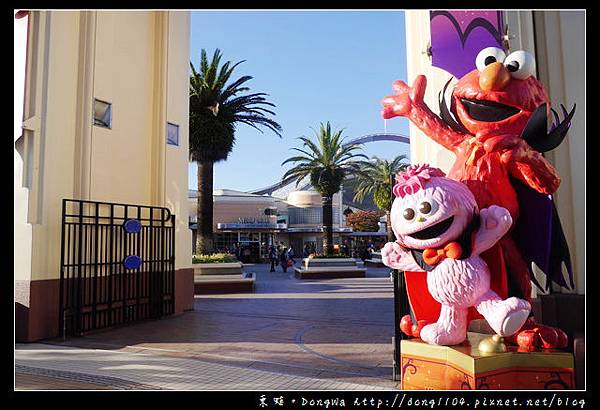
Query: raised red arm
408	102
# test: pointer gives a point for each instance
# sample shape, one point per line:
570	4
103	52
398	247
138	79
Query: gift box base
464	367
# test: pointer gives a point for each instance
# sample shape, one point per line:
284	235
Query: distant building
252	221
258	221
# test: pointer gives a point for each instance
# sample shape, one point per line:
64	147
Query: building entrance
249	251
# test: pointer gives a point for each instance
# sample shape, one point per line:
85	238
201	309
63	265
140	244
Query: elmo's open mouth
433	231
488	111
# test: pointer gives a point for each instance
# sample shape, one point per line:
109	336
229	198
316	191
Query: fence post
61	309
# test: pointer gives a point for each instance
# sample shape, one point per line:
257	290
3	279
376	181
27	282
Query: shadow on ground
335	328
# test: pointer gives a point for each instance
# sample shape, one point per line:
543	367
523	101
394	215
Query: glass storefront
225	241
254	246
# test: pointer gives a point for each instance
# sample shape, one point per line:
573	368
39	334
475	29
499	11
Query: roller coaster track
360	140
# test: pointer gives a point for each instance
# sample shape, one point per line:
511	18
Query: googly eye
520	64
428	207
409	214
425	208
489	56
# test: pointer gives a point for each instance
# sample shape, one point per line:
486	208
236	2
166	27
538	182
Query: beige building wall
559	46
177	112
124	75
561	56
121	57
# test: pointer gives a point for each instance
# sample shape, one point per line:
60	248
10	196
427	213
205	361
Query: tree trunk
388	226
327	202
204	234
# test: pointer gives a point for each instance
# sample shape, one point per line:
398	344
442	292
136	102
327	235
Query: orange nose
494	77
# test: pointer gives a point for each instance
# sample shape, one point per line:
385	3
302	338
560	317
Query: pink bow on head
415	177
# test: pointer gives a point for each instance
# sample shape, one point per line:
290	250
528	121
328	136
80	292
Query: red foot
528	340
406	325
410	329
528	325
533	336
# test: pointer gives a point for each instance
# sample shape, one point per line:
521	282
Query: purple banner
458	36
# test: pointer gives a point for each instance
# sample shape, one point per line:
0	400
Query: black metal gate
117	264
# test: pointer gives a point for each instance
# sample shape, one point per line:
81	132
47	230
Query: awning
366	234
318	230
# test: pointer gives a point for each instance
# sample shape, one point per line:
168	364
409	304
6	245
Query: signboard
257	225
458	36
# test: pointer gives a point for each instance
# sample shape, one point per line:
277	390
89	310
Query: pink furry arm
393	256
495	222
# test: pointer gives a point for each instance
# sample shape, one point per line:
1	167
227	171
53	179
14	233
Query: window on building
310	216
249	237
172	134
102	113
225	241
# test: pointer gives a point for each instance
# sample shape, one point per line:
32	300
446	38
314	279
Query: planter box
210	278
319	262
203	269
460	367
329	268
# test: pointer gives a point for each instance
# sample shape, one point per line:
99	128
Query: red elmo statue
497	131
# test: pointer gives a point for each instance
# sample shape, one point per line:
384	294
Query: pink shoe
505	317
435	334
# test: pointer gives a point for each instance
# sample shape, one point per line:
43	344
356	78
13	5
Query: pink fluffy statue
441	231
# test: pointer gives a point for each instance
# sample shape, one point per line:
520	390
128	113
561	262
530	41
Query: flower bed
214	258
313	256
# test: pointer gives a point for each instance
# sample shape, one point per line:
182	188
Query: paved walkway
337	331
101	369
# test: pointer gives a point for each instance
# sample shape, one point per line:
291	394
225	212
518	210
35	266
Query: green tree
376	178
327	162
216	108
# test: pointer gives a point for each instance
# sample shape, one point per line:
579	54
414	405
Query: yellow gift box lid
468	358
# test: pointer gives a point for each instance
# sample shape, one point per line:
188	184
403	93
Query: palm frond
211	83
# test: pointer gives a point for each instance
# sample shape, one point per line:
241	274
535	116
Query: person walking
365	254
283	259
273	257
291	255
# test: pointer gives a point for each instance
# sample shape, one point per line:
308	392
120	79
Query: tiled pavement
101	369
335	331
26	380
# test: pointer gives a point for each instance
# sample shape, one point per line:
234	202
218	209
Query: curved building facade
254	222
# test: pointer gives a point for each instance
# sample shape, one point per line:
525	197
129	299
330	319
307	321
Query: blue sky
316	66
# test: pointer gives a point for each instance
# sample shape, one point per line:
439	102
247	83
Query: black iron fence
401	308
117	264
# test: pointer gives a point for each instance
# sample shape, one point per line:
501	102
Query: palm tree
376	178
215	109
327	162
